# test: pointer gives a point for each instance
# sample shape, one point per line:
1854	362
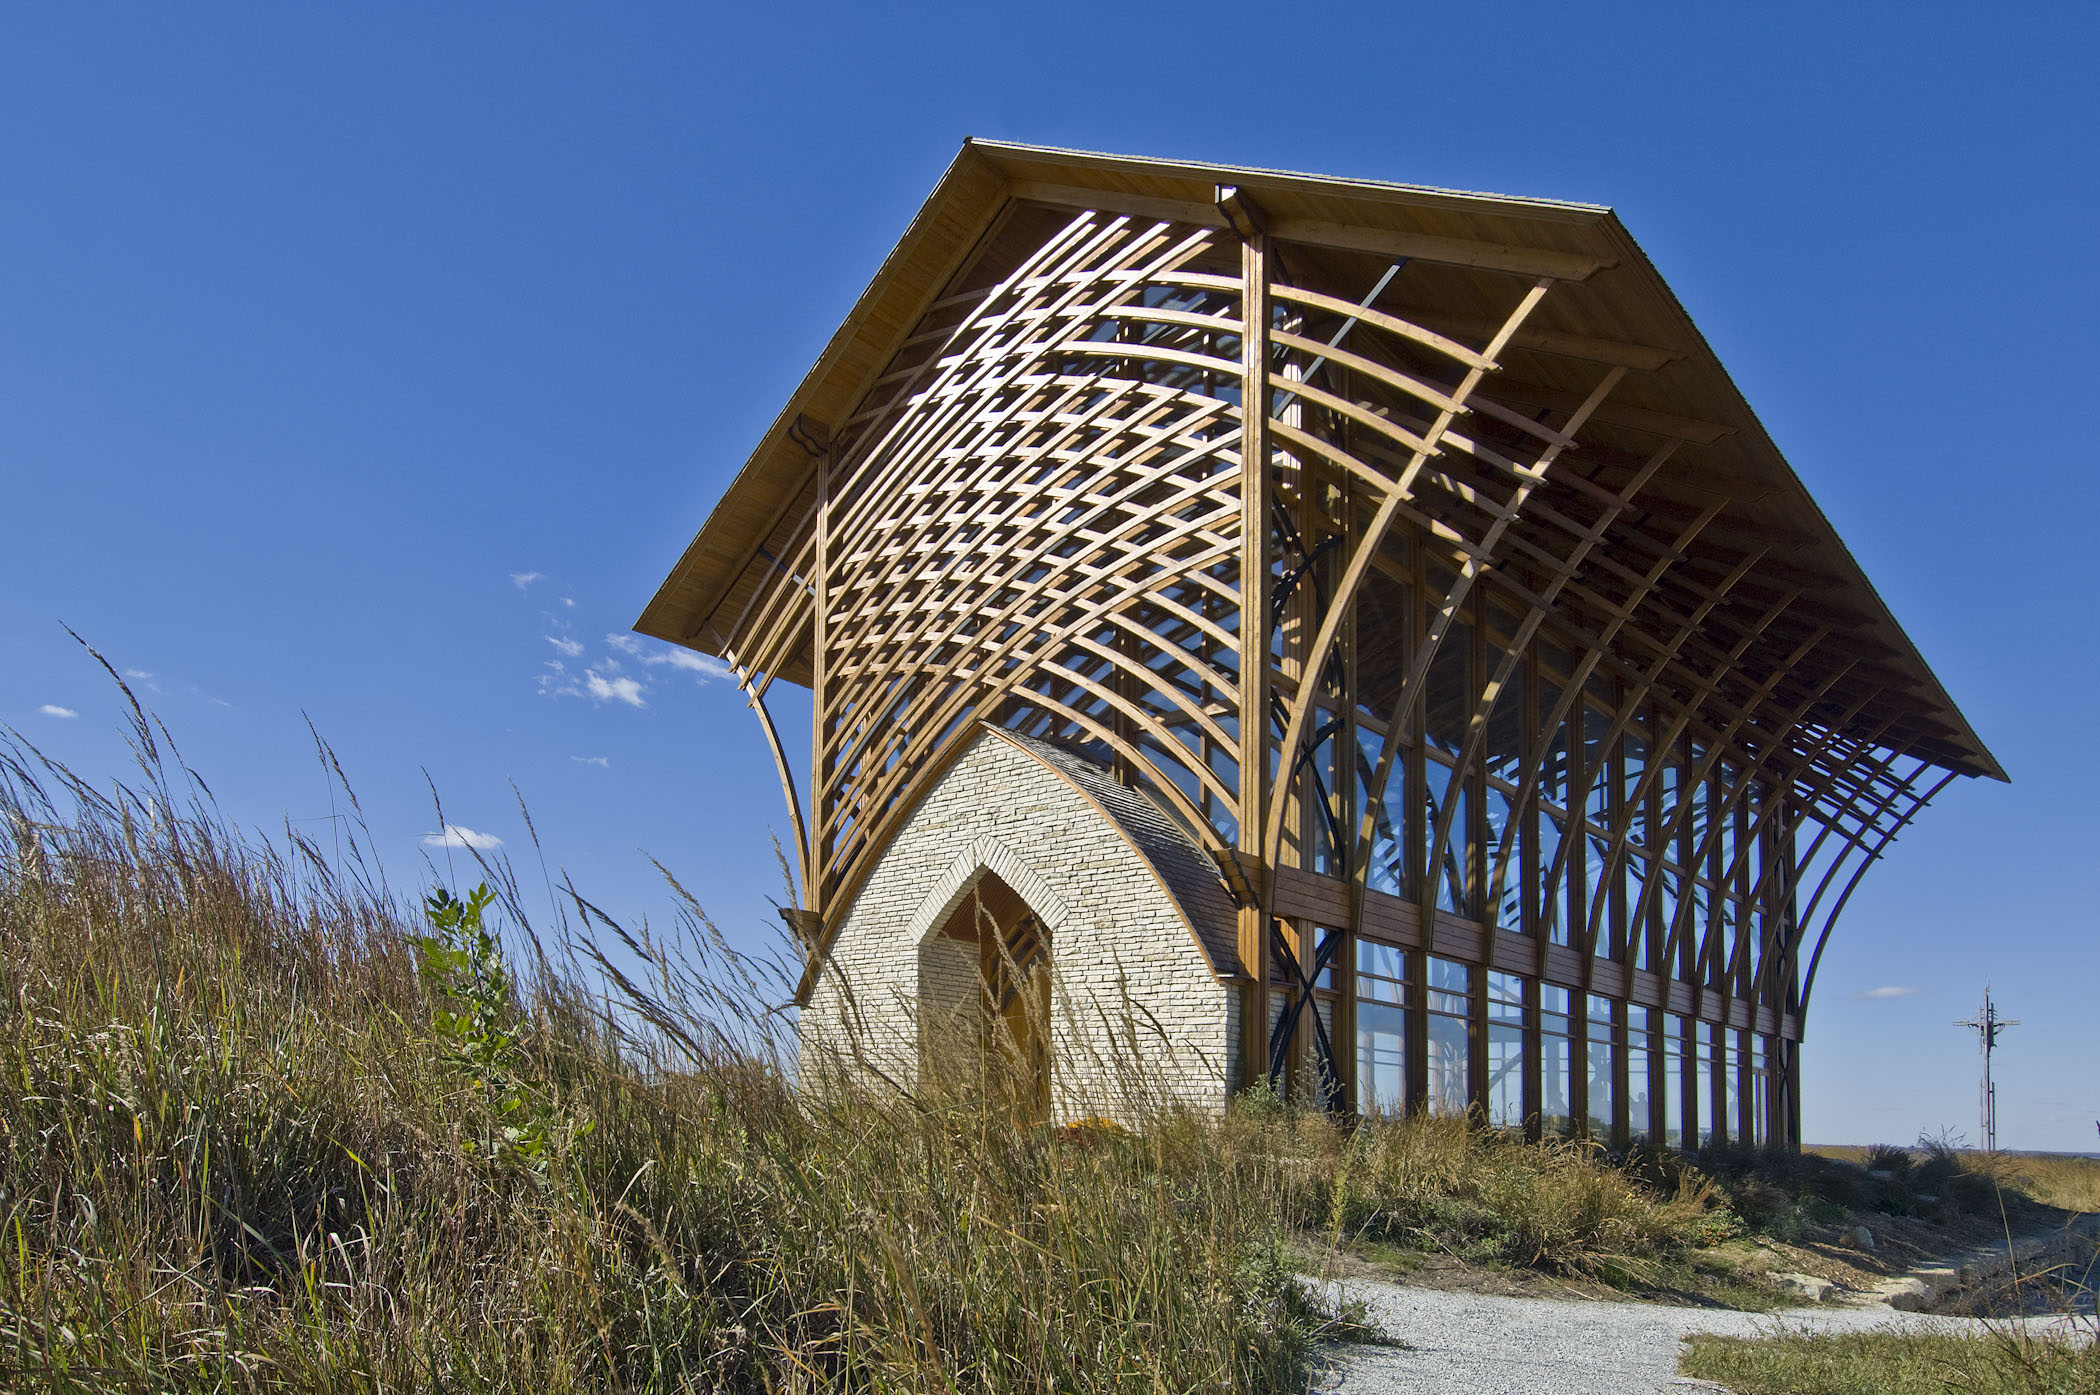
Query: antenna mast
1987	1024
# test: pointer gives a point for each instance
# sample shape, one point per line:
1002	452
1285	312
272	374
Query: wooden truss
1275	516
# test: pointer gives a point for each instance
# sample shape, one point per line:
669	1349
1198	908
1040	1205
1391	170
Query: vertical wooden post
819	874
1254	641
1346	855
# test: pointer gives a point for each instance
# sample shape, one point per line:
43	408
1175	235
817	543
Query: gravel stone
1478	1344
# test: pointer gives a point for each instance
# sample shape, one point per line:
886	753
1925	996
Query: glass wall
1602	1081
1672	1048
1504	1092
1556	1061
1714	1082
1706	1038
1760	1091
1640	1094
1450	1046
1381	1028
1731	1084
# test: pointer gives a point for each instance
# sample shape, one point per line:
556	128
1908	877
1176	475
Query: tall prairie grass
238	1153
252	1139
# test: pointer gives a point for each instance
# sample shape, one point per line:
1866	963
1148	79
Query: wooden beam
1693	429
1394	245
1642	357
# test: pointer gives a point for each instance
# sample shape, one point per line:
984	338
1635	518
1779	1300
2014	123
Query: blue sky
362	362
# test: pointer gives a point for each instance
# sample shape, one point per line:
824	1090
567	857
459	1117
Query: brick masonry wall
1138	1018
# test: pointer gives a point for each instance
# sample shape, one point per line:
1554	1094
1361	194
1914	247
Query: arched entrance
995	938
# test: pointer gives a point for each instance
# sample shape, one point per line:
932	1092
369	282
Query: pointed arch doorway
993	929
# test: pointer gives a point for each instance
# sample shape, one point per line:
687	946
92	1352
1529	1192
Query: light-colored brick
1138	923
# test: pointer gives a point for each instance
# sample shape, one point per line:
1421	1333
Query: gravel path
1476	1344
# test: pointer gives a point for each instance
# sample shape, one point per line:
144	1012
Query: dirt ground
1901	1244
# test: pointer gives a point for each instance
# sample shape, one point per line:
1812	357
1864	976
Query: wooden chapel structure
1393	576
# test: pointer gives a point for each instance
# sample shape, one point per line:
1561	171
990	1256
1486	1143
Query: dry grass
243	1148
2001	1362
251	1139
2060	1180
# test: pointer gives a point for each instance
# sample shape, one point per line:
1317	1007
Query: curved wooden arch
1128	489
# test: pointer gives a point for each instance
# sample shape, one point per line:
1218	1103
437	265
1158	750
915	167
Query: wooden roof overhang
1609	306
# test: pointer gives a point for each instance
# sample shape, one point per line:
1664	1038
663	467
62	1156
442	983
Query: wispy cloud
137	673
1888	991
454	835
603	689
600	761
521	580
568	648
52	709
684	660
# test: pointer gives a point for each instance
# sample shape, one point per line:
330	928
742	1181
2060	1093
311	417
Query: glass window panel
1505	1082
1726	933
1554	1007
1603	1080
1447	704
1439	786
1668	881
1705	1048
1633	765
1598	849
1672	1047
1381	1058
1388	869
1726	810
1760	1092
1327	940
1699	918
1700	797
1553	772
1596	761
1553	920
1639	1101
1635	880
1554	660
1381	973
1449	1062
1556	1060
1505	996
1500	810
1731	1082
1322	787
1450	987
1505	1049
1669	800
1503	749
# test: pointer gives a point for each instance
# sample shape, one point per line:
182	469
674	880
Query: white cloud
604	689
52	709
1890	991
569	648
521	580
137	673
684	660
600	761
706	665
568	600
457	836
